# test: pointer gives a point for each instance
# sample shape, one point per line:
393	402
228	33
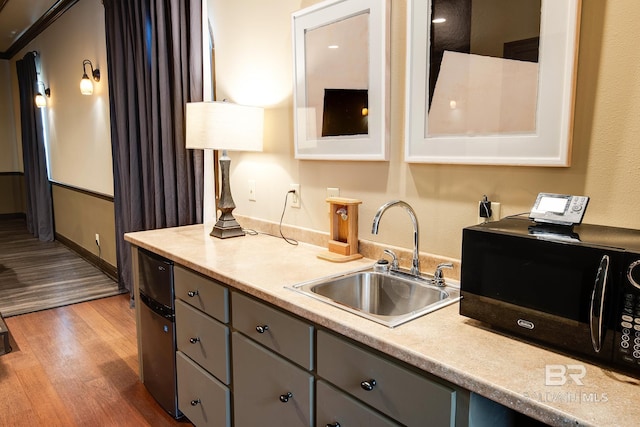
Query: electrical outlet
97	239
252	190
495	212
333	192
294	199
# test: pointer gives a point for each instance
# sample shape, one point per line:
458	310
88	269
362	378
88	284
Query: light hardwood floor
76	366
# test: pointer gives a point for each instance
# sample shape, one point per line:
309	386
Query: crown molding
49	17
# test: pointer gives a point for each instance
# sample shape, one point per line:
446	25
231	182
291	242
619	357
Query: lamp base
226	227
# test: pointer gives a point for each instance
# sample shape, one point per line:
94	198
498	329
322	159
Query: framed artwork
477	96
341	69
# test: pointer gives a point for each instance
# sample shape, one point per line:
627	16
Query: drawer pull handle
284	398
262	329
336	424
193	293
368	385
195	402
194	340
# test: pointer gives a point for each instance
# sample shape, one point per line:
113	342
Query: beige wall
10	157
254	65
11	183
77	127
80	216
12	193
254	62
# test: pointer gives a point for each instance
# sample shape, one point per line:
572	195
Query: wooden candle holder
343	230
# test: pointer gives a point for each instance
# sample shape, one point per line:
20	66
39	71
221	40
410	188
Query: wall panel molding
83	191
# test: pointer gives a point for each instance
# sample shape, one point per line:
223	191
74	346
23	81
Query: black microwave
574	289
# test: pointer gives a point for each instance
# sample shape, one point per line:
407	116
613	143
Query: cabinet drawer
202	398
203	339
281	332
261	379
334	406
203	293
405	396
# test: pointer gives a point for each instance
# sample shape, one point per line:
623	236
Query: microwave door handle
596	313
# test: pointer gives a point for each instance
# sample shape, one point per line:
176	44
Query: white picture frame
332	17
549	144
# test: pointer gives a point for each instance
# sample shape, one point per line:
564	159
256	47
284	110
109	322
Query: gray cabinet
404	395
276	330
203	293
335	407
202	337
243	362
204	340
201	398
269	390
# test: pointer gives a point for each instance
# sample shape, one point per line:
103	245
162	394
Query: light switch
252	190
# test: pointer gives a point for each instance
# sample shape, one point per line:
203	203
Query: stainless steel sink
388	298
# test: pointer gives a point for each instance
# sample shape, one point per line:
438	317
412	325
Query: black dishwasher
157	329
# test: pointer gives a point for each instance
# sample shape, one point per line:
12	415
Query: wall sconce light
41	101
86	86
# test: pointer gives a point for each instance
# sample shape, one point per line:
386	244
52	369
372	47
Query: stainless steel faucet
415	263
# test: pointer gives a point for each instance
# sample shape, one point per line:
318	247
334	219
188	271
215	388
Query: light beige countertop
455	348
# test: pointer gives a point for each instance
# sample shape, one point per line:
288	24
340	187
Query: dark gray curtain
39	205
154	55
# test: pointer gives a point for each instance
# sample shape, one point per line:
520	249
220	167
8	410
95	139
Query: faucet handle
394	259
381	266
438	277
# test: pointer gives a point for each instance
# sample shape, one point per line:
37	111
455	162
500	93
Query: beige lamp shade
224	126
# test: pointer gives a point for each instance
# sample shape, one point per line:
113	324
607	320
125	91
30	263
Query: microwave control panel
627	341
560	209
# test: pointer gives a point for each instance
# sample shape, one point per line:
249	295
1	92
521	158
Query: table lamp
224	126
